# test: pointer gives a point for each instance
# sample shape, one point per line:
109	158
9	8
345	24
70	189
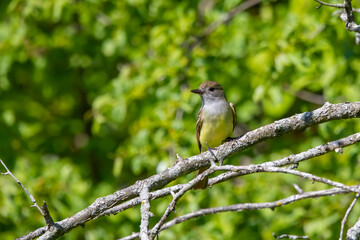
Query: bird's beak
197	91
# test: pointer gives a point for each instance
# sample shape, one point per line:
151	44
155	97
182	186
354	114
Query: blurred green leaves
94	95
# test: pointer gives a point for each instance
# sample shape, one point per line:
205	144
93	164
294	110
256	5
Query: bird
215	122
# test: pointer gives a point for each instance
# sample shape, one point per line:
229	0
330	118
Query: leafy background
95	94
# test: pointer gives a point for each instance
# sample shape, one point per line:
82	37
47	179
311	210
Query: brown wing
234	114
198	129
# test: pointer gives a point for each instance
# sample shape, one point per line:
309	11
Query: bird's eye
211	89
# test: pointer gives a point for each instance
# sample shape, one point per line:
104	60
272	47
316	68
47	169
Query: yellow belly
215	129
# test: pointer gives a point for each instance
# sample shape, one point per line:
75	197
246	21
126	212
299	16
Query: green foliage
95	95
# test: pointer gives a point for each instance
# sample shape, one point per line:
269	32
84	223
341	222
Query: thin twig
21	185
256	168
43	210
136	201
330	4
289	236
347	215
298	189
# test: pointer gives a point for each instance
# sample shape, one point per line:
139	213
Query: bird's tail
204	182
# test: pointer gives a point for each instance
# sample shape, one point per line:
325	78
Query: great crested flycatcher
216	120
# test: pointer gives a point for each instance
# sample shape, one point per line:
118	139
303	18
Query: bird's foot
212	153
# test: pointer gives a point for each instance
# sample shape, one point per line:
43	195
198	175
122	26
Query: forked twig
43	210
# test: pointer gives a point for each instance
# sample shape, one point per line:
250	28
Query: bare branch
297	122
249	206
329	4
354	232
293	159
298	189
145	213
21	185
257	168
48	219
34	234
177	196
290	236
296	158
136	201
347	215
43	210
248	170
347	16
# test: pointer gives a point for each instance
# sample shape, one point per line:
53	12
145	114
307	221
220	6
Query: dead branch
327	112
